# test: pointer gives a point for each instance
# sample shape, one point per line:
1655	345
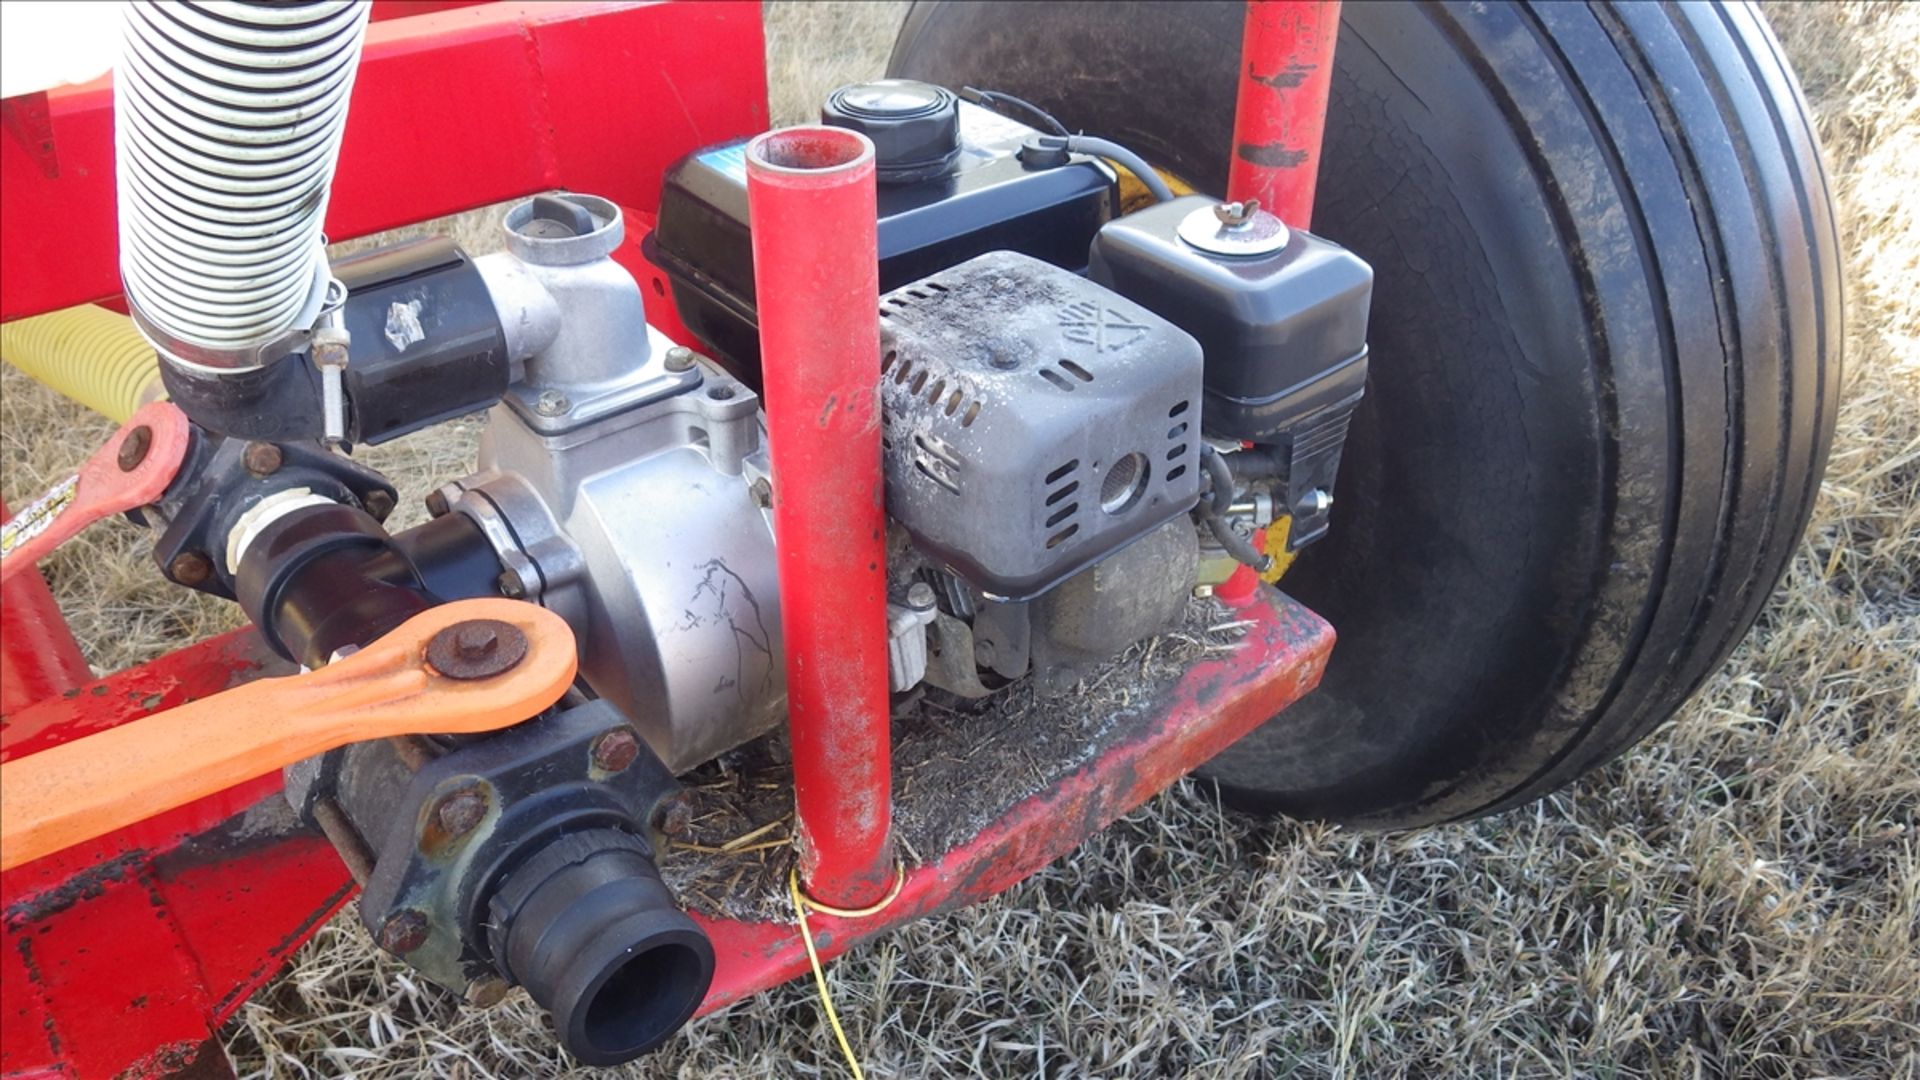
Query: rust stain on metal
477	649
1271	155
1285	79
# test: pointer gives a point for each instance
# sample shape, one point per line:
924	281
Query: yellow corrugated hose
94	356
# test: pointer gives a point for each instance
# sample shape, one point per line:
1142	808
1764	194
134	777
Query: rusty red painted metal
451	110
38	656
1215	703
811	200
122	955
1286	67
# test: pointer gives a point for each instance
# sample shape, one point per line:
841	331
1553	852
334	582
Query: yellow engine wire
801	902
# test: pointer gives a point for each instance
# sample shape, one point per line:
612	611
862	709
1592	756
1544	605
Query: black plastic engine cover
1034	422
1285	336
990	200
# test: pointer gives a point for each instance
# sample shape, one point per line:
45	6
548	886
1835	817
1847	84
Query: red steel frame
38	656
811	198
124	955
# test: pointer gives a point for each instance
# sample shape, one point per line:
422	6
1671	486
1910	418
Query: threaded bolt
475	642
920	596
379	504
404	932
133	449
262	458
460	811
486	993
190	568
615	750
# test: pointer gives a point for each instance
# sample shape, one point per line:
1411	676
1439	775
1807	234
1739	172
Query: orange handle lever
92	786
133	469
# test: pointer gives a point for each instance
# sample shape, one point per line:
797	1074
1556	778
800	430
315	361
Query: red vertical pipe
1279	116
38	656
1286	66
810	203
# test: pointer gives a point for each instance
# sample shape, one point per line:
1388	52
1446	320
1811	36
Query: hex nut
614	750
404	931
488	992
262	458
459	812
190	568
379	503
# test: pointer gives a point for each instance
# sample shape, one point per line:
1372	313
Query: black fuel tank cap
915	126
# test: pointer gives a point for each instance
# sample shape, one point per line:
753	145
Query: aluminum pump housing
621	483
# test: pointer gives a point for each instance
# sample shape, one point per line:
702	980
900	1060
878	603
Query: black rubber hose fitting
593	933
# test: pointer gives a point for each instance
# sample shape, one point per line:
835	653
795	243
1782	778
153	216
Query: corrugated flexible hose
228	120
94	356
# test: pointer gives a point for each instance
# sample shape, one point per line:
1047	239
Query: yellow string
801	902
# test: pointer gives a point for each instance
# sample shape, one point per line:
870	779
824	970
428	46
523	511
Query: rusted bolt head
404	931
133	448
460	811
476	642
476	649
190	568
679	358
437	504
488	992
616	749
511	586
379	504
674	815
262	458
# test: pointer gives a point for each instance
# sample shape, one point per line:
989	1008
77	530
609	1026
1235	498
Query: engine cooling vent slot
937	460
1062	504
1181	438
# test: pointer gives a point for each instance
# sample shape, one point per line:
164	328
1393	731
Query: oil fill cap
915	126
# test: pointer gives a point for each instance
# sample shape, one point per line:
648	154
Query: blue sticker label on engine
731	160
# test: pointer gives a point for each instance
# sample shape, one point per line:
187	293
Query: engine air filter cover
1034	421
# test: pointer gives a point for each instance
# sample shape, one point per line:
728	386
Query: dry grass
1740	896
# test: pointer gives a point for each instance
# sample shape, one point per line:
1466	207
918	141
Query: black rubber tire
1606	355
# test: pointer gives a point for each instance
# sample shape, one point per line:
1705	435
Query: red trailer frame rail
124	955
451	110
